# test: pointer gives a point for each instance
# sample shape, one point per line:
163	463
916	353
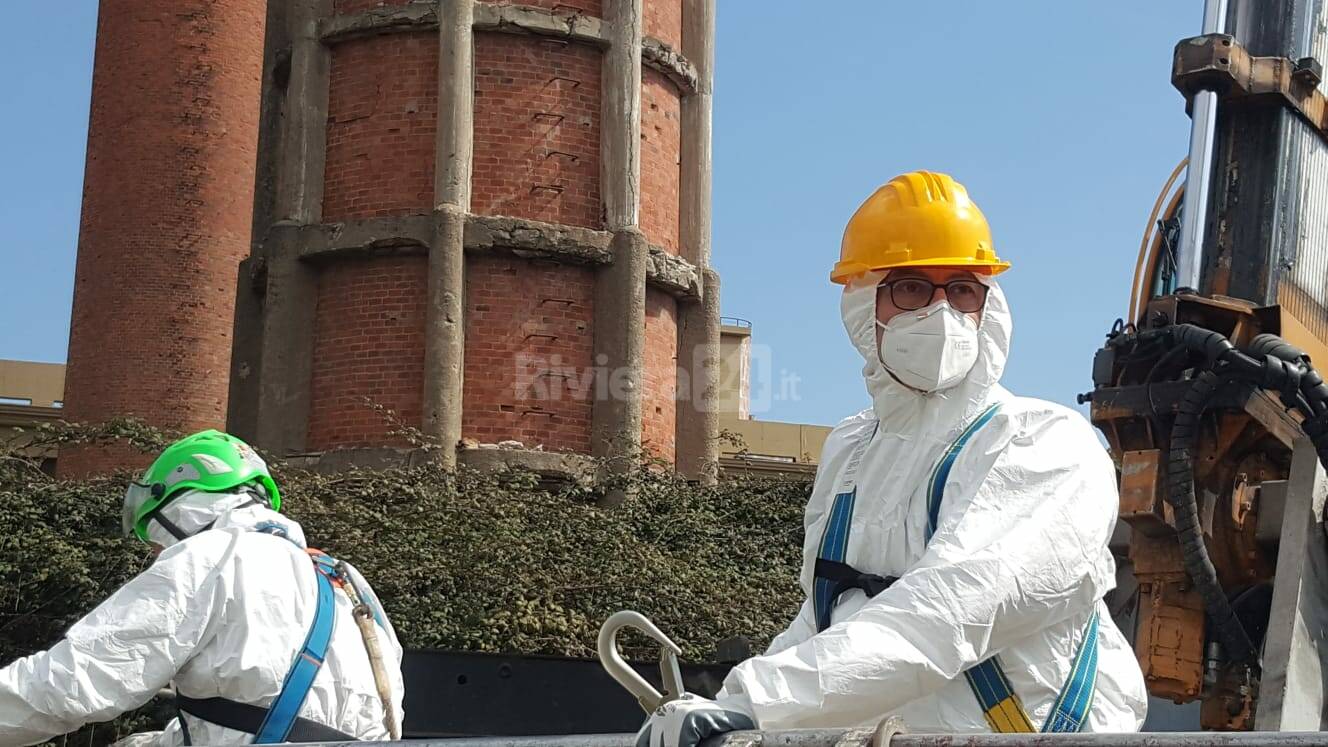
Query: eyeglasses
911	294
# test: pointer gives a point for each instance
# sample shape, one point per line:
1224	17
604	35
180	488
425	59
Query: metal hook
646	695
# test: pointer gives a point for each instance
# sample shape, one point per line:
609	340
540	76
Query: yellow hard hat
918	219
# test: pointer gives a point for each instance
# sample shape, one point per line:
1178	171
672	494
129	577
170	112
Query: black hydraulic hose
1268	362
1213	345
1266	344
1180	495
1289	372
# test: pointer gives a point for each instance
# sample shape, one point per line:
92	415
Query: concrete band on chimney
638	284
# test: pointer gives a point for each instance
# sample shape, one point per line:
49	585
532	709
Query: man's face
896	285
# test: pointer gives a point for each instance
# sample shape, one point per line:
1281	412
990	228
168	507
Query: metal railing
866	737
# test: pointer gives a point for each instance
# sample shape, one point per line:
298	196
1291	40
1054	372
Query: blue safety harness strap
834	542
280	721
1000	705
1070	711
826	588
941	472
281	715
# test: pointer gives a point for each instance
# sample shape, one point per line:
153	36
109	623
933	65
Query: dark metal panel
1252	227
1246	229
452	693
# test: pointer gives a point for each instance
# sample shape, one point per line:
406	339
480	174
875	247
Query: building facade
33	393
491	220
749	444
30	394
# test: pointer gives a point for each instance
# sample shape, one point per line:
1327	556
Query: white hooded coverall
221	614
1017	565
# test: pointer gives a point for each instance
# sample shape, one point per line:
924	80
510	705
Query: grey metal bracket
1294	686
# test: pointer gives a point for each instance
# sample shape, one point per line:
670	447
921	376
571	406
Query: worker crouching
263	639
956	553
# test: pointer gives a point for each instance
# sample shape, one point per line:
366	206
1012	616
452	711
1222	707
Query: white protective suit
1017	566
221	614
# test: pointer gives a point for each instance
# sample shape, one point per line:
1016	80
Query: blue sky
1059	118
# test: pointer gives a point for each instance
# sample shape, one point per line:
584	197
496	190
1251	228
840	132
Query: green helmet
210	461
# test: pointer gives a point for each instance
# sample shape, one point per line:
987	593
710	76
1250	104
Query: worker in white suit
956	538
263	639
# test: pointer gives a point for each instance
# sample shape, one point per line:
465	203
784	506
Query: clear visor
135	497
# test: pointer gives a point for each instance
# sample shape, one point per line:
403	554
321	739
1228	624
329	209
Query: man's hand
688	721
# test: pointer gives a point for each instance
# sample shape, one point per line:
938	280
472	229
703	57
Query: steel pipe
1199	174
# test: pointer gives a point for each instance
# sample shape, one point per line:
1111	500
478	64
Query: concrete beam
698	38
696	431
381	20
445	326
480	233
522	19
697	426
246	332
327	240
673	274
303	152
510	19
445	334
552	240
619	345
620	122
242	413
507	19
575	245
363	457
664	58
279	362
484	233
276	78
552	466
456	104
286	366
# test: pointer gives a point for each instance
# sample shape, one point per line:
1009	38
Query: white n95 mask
929	349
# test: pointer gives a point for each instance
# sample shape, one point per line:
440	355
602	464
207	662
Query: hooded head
898	405
196	511
919	221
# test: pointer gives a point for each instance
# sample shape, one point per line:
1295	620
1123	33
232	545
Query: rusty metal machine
1206	392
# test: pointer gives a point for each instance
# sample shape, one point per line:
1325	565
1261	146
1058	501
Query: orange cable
1148	234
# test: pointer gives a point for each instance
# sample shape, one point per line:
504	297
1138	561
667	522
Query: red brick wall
585	7
167	210
663	20
369	342
381	123
536	123
524	318
659	399
345	7
661	144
